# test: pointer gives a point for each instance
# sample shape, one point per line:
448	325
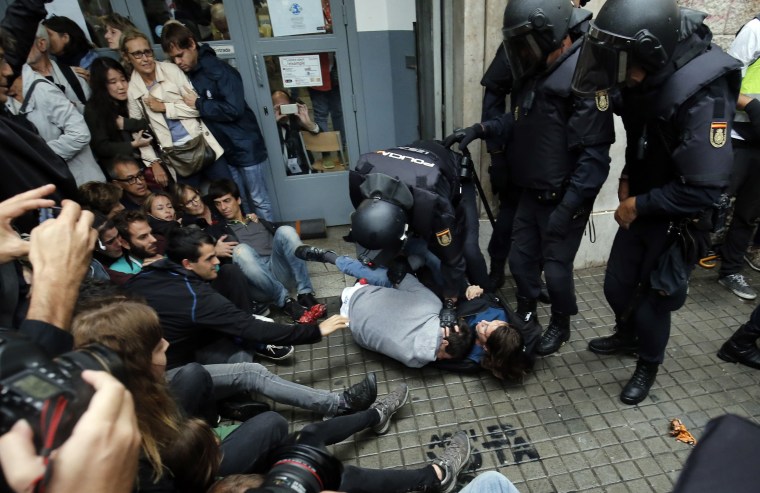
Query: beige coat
170	80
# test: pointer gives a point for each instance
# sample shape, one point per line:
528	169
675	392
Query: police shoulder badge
718	133
444	237
602	100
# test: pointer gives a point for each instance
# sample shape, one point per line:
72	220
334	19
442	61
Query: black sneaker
260	309
358	397
454	458
293	309
387	406
307	300
275	353
311	253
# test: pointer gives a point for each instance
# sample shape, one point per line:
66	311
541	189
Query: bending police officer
677	105
410	198
558	145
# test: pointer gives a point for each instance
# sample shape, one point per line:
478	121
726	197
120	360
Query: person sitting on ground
183	455
137	239
265	254
160	211
418	337
104	198
128	175
201	324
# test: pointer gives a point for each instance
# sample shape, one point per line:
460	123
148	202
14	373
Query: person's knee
288	235
274	423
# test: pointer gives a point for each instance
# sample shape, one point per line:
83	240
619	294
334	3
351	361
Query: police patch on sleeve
602	100
718	133
443	237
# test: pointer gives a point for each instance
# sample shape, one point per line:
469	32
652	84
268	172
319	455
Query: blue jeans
232	371
271	276
253	189
327	103
377	276
490	482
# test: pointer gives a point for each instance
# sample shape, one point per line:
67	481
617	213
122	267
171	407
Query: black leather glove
448	314
498	172
464	136
559	221
398	270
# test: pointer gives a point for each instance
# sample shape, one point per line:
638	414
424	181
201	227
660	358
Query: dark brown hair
505	356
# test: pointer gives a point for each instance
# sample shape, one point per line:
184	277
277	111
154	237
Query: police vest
429	170
751	80
538	150
699	73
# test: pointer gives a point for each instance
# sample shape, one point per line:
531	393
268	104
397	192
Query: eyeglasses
131	180
195	200
139	55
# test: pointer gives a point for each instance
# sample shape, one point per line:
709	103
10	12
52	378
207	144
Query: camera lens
93	357
303	469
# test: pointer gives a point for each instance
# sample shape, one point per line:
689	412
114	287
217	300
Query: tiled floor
564	428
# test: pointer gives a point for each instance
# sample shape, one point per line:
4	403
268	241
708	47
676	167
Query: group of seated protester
185	347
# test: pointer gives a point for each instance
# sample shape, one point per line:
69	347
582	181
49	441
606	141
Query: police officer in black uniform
410	198
558	147
677	105
497	85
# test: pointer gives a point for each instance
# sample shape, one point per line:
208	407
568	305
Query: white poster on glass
300	71
292	17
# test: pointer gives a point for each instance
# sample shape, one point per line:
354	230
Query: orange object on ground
678	430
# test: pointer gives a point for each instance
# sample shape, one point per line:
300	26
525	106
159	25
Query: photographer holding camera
101	453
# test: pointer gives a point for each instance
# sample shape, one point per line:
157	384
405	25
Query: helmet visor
524	54
601	66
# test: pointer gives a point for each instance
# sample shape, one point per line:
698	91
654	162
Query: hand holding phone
288	109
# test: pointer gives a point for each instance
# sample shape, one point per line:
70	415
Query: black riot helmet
532	29
626	32
379	229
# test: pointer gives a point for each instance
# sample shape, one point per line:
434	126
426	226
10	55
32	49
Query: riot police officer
677	103
497	85
410	198
558	148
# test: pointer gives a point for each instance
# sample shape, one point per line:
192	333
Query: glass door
301	85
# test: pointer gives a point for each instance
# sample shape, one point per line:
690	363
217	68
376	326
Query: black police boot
526	309
315	254
556	334
638	386
619	342
742	347
496	277
359	396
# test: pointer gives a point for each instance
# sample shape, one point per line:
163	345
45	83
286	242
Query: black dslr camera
301	468
49	394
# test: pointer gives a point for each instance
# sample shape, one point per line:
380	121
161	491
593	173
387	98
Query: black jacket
679	155
193	314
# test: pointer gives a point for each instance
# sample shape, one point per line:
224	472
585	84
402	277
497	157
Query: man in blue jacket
220	99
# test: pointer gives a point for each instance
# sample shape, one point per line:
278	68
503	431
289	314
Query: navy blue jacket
221	103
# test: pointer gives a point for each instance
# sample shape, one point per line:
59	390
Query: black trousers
745	186
477	271
501	239
531	246
193	390
247	448
634	255
233	285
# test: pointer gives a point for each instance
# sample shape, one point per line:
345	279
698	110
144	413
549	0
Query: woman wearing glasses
155	93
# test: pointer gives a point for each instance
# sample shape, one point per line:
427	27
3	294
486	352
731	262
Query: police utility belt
549	197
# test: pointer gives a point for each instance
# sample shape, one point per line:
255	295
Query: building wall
386	40
726	17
